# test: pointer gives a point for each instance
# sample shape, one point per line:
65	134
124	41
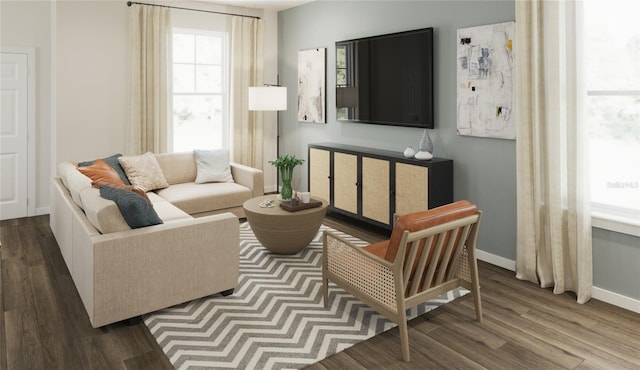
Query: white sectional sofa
121	272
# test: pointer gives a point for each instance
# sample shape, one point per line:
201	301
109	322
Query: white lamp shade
268	98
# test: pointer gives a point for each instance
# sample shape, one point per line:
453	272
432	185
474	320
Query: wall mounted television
386	79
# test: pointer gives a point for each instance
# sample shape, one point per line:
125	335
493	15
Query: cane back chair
429	253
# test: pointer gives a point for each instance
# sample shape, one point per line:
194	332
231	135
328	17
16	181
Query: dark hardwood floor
44	325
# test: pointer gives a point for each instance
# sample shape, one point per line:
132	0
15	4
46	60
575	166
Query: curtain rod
129	3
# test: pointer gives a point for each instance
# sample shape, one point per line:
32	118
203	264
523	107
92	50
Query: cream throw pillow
212	166
144	171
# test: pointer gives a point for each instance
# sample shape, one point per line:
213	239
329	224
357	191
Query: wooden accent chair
429	253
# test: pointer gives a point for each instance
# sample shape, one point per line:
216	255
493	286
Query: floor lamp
270	98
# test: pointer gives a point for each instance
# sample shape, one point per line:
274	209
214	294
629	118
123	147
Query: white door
14	121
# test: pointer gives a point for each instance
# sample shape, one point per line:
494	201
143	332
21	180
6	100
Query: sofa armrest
250	177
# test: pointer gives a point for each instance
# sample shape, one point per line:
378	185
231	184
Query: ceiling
262	4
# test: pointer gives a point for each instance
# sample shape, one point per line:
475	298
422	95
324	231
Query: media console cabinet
372	185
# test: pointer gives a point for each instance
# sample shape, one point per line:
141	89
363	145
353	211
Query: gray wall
616	263
484	169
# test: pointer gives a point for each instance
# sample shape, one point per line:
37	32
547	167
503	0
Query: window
200	91
612	68
344	78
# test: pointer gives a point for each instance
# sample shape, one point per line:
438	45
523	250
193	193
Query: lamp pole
277	150
270	98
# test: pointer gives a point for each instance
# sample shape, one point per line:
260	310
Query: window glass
208	79
183	48
612	66
612	54
209	50
183	78
199	91
197	122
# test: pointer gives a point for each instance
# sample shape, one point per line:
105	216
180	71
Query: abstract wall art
312	85
485	81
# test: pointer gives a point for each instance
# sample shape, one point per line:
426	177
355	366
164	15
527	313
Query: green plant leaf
287	161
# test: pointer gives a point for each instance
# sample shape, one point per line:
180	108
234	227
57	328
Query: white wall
91	79
27	24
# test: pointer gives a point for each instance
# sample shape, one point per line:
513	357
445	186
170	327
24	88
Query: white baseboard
616	299
600	294
493	259
42	211
270	189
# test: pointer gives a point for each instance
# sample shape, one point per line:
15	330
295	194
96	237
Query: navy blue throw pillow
113	162
134	208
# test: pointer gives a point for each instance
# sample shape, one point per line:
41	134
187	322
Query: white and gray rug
275	319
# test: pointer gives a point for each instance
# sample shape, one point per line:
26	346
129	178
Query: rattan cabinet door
345	182
375	189
319	173
412	188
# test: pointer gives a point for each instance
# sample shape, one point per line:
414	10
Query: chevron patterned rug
275	319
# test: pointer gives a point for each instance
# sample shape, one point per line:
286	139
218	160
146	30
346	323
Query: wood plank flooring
44	325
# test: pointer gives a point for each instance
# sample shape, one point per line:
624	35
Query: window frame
225	87
606	216
350	79
610	216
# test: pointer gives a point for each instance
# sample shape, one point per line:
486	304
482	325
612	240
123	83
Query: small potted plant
286	165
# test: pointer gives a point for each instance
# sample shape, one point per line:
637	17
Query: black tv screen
386	79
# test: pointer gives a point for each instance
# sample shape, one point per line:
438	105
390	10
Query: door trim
31	123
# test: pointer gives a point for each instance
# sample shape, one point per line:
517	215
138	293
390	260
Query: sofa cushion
132	188
144	171
114	163
101	172
178	167
135	209
102	213
106	217
77	182
196	198
167	211
212	166
64	170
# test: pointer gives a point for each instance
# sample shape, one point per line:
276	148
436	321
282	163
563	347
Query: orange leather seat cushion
388	249
379	248
426	219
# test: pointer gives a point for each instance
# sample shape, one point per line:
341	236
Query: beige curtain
150	53
246	70
554	221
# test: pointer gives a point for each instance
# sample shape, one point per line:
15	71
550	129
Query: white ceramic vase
409	152
426	145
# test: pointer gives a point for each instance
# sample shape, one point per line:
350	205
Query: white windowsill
618	224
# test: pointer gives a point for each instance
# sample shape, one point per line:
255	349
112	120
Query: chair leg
476	301
475	283
404	340
325	291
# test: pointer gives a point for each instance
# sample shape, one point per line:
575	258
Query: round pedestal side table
281	231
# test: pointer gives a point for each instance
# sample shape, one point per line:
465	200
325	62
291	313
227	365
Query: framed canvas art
312	85
485	81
